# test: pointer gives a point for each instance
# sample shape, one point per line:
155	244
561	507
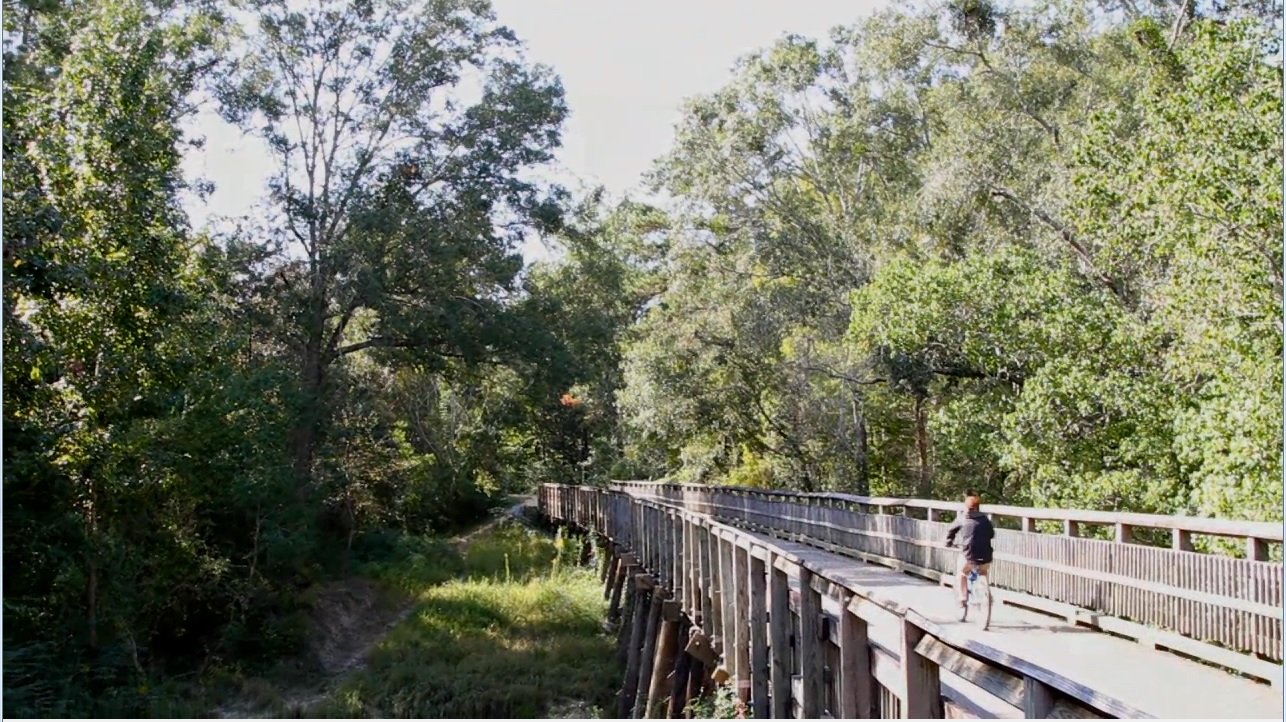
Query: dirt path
355	619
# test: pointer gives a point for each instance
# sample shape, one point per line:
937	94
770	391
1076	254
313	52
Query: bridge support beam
616	590
647	657
779	627
811	663
667	646
920	677
606	557
679	692
741	620
759	666
642	604
855	684
627	615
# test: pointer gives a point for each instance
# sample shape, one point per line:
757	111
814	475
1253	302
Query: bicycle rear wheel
982	593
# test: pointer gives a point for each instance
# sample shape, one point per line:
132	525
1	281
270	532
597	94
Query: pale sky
626	68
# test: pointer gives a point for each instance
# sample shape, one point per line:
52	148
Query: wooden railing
1256	537
1219	609
793	641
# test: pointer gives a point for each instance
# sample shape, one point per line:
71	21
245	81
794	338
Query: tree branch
1066	233
377	342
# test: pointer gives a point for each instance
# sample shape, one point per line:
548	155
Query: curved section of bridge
849	589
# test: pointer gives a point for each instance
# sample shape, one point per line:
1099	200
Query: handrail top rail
1267	531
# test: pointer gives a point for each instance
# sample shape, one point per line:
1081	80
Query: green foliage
1030	251
754	471
512	635
192	432
723	704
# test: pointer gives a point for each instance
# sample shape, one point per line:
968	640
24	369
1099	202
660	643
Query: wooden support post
1029	524
647	657
1124	534
923	687
691	569
610	561
642	603
728	589
810	646
708	614
617	586
1256	550
933	514
678	556
679	692
627	615
1038	699
1181	540
667	647
698	683
856	694
723	605
741	621
1071	528
586	551
759	667
779	628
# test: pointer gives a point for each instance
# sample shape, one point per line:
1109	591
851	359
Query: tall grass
510	628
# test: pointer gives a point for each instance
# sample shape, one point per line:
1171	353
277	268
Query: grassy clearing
509	628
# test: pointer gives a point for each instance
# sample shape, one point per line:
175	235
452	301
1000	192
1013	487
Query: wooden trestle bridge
831	605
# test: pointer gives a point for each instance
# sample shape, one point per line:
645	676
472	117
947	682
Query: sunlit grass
517	631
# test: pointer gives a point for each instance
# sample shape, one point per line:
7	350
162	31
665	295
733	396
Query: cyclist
971	533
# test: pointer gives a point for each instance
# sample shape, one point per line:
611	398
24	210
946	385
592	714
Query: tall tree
100	290
397	201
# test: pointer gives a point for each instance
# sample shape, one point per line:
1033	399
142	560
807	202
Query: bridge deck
1123	674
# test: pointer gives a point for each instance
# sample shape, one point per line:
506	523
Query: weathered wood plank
1065	710
666	648
810	645
1038	699
641	604
741	621
679	692
855	694
1005	686
760	672
779	626
647	657
923	698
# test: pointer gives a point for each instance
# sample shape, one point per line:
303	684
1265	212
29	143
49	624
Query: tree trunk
863	451
91	558
924	487
304	435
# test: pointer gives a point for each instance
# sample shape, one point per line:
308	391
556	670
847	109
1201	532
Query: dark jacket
972	535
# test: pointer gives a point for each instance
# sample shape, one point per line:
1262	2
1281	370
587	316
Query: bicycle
976	598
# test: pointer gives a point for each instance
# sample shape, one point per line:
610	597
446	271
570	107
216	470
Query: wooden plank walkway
1126	674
